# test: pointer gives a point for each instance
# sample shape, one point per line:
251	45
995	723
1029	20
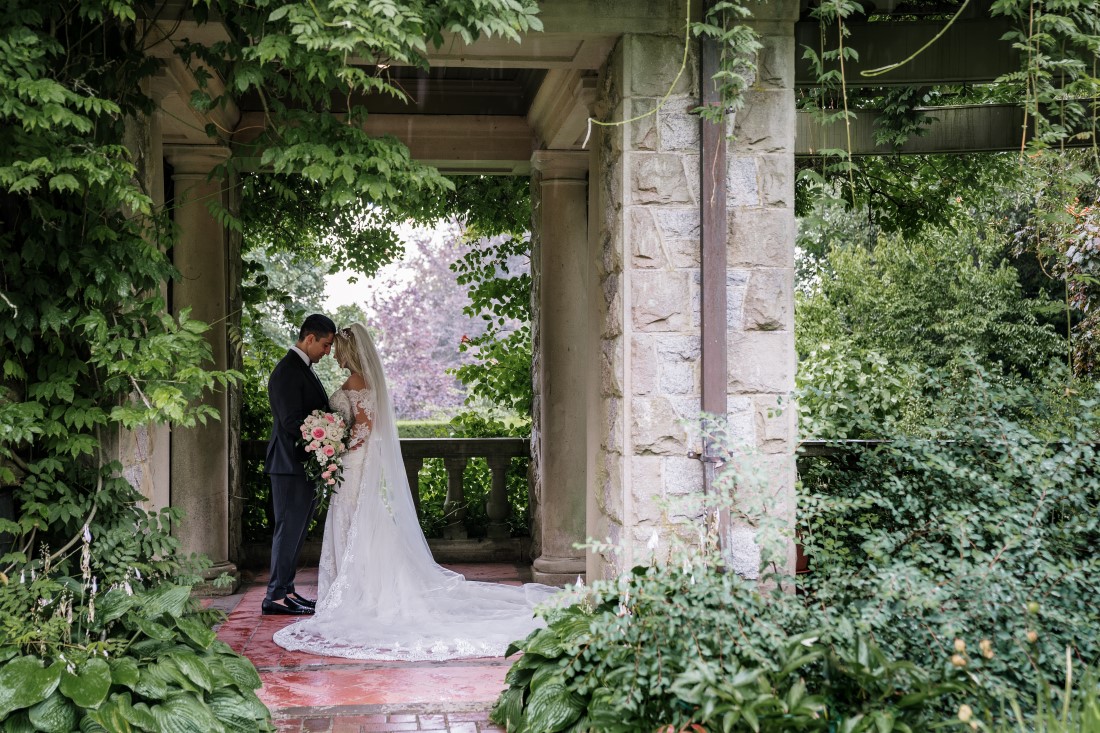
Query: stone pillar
200	455
562	313
144	451
649	276
648	245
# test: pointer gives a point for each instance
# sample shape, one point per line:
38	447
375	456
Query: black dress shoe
302	600
285	607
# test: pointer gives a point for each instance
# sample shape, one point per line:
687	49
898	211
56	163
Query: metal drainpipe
713	234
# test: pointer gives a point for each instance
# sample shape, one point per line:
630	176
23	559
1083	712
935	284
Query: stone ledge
513	549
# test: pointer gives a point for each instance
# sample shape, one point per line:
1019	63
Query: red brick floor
335	695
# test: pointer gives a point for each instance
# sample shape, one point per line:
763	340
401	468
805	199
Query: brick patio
306	692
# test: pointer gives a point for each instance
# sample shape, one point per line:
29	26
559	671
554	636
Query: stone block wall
649	271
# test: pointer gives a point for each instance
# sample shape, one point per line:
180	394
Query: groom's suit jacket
294	392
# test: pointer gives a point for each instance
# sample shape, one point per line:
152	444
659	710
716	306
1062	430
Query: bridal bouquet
323	435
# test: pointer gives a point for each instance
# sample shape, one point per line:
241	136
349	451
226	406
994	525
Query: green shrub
424	429
687	647
986	532
949	568
107	637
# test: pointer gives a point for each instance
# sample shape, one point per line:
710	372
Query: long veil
389	599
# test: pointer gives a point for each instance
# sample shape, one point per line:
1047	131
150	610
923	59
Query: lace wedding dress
380	593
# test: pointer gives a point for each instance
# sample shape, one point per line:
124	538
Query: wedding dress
380	593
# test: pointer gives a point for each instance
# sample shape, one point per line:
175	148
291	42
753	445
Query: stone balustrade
456	453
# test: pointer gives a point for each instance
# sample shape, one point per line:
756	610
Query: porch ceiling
485	107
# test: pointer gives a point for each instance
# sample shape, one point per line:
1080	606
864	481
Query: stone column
649	275
200	455
648	220
562	313
144	451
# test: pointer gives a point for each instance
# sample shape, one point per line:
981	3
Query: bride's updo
347	351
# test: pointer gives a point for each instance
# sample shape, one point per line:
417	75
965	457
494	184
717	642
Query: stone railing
455	452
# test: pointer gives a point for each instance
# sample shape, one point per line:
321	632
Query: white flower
654	541
580	583
87	534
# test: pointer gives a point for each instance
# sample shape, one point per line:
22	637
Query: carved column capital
195	160
561	164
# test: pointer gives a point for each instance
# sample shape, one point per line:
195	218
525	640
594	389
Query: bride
380	593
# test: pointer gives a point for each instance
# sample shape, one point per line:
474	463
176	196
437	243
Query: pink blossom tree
416	313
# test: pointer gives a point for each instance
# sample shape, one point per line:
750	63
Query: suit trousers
295	501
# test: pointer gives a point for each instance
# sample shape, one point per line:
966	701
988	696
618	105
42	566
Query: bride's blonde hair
347	352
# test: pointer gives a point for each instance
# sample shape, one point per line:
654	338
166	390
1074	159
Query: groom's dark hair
317	324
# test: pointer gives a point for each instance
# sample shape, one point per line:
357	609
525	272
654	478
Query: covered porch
662	254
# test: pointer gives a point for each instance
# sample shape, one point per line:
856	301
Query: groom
294	391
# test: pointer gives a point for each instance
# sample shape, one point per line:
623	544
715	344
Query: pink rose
331	482
330	418
326	474
329	451
318	433
314	445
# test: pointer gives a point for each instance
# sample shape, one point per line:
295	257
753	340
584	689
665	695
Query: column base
550	570
454	533
207	588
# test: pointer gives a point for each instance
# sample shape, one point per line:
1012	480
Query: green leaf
124	671
194	669
153	630
168	598
509	710
25	682
235	712
198	632
545	643
112	605
242	672
152	684
89	687
55	714
185	713
551	708
117	714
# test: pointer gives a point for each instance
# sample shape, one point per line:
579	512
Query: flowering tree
417	316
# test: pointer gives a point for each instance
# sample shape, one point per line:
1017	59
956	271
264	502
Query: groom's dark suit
294	392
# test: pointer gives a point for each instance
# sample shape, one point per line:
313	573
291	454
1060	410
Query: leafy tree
927	300
420	322
497	214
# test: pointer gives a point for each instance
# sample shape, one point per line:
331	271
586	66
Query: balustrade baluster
497	507
412	471
454	508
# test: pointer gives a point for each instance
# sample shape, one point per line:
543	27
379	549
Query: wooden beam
969	51
500	145
963	129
